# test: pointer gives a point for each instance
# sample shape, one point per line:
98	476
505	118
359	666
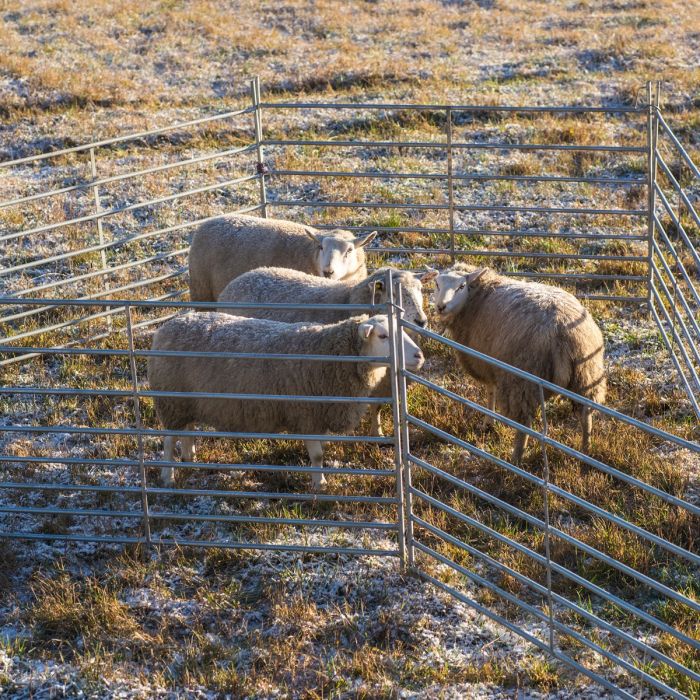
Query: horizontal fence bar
103	272
611	109
122	241
612	413
104	213
69	391
495	253
592	551
679	344
126	176
542	616
486	232
98	539
203	305
679	226
674	358
676	258
557	568
671	299
525	635
561	600
382	500
677	291
200	517
302	549
669	132
456	176
566	495
173	541
152	432
122	139
459	207
677	187
214	466
193	354
457	144
690	507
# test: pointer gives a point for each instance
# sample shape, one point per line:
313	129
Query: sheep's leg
187	449
167	474
586	416
375	425
520	443
487	421
315	450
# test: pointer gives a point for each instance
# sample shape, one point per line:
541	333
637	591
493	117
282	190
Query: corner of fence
394	342
653	95
257	123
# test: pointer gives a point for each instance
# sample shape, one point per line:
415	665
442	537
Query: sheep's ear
428	276
313	236
366	329
474	276
361	242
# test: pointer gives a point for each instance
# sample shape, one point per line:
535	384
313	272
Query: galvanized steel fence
76	328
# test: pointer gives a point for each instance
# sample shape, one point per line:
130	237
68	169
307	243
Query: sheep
534	327
282	285
218	332
226	247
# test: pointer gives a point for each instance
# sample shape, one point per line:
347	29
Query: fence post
100	231
403	422
547	534
652	137
257	120
394	342
139	429
450	182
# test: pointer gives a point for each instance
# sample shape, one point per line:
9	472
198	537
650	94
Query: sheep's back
273	285
227	247
215	332
540	329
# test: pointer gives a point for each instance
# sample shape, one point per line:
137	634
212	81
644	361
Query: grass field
104	621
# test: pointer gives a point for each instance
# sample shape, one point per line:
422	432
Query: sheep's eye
462	286
347	252
383	337
320	247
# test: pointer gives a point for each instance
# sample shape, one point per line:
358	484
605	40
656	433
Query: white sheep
282	285
535	327
217	332
224	248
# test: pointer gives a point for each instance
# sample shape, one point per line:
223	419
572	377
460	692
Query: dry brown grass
78	70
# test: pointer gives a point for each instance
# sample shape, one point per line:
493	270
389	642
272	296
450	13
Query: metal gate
79	436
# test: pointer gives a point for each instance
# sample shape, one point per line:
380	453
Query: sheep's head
452	290
376	342
411	292
338	252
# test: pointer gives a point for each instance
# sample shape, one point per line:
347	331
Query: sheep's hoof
319	486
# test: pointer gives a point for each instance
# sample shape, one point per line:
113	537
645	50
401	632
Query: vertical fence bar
100	231
139	427
450	181
652	134
395	340
405	445
545	500
257	120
